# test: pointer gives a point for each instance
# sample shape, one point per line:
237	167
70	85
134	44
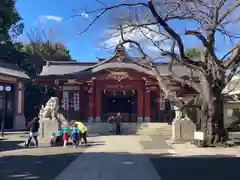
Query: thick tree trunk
212	121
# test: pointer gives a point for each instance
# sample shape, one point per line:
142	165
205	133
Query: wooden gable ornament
120	52
118	75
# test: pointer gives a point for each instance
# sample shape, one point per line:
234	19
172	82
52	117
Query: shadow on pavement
10	145
44	167
196	167
169	167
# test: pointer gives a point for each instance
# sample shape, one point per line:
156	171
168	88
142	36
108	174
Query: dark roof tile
61	68
68	67
12	70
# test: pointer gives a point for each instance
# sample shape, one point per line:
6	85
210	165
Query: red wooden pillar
157	105
140	104
58	91
91	102
98	104
147	105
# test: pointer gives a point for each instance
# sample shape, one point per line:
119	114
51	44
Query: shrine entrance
124	102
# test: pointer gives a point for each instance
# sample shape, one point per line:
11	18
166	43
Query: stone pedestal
183	130
47	127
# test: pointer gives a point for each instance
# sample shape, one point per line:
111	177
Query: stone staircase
149	129
132	129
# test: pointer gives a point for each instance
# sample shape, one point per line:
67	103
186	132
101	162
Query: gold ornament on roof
120	50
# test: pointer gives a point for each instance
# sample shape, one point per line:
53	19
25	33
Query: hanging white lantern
8	88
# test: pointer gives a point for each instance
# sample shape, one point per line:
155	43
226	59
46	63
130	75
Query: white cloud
85	15
141	36
50	18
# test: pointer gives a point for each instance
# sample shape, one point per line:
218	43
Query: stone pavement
120	158
187	149
22	163
116	157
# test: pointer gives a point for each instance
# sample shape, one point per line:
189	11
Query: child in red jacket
65	136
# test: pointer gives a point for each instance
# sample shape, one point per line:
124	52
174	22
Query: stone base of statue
51	119
47	127
182	130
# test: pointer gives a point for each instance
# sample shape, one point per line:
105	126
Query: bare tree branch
181	80
235	59
198	35
100	2
229	11
161	81
195	64
106	9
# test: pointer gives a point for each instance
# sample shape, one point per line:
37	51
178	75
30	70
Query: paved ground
43	163
118	158
197	168
155	142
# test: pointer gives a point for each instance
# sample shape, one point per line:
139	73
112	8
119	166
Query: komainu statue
51	112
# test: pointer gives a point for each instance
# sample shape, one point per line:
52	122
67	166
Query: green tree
10	21
33	57
193	52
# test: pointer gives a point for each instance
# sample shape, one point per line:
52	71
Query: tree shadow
10	145
220	167
168	167
34	167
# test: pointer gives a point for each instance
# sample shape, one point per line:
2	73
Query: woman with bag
33	131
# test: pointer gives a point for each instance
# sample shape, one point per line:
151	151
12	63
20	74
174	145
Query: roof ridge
68	63
10	66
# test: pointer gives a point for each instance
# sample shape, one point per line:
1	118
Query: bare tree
212	17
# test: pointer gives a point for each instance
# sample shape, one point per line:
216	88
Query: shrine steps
132	128
149	129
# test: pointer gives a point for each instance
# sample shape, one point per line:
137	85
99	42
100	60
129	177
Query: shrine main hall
92	91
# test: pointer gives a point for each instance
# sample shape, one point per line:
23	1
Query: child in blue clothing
56	139
59	138
75	136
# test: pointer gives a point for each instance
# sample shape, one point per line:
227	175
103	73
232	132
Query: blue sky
48	15
83	48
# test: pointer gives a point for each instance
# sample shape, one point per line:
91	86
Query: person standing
33	127
82	132
118	120
111	124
